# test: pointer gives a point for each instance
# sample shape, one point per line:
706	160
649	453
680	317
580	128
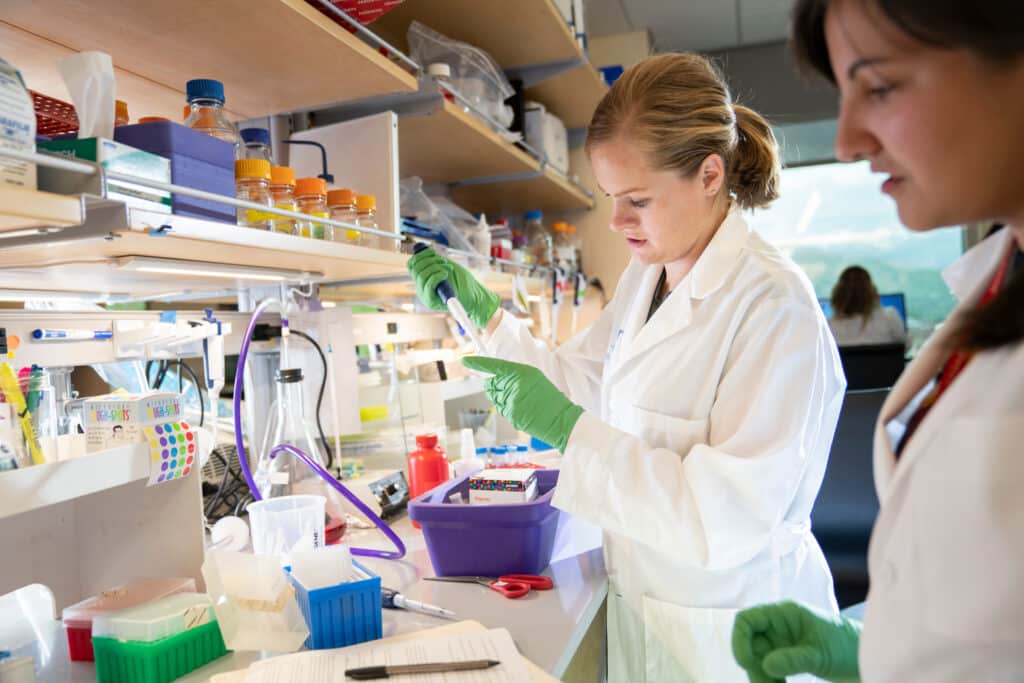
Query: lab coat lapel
710	273
634	320
967	278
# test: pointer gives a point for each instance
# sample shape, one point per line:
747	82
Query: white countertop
547	626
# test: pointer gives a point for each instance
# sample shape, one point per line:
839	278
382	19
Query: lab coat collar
709	274
968	278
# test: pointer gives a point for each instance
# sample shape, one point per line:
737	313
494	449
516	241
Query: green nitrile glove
428	269
528	399
784	639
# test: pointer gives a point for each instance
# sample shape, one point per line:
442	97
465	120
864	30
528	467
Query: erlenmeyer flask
277	476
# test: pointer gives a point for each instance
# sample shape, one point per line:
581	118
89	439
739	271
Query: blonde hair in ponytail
677	107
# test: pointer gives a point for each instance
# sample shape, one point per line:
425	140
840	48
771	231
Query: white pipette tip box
155	620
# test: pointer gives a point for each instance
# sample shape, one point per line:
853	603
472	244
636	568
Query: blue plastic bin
341	615
487	540
197	160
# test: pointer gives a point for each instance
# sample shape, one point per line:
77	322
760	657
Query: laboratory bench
548	627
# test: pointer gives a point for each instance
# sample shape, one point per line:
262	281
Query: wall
621	48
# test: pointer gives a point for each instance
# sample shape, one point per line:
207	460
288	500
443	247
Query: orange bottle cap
282	175
310	186
560	226
344	196
120	110
152	119
365	202
252	168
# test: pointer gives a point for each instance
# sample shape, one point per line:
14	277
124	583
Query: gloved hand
428	269
528	399
784	639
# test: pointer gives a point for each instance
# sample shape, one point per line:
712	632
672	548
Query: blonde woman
696	414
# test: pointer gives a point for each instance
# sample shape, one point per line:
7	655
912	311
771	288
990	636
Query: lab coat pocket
689	644
661	430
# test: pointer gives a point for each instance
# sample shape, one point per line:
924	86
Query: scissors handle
537	583
510	589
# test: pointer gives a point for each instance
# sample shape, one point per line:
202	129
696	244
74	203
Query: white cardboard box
118	419
546	133
17	129
503	485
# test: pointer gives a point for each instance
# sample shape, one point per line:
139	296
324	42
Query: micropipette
447	295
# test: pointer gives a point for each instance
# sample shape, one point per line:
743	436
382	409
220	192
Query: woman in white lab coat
696	414
932	94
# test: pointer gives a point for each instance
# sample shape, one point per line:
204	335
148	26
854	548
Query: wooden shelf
450	145
22	209
281	55
548	192
398	289
537	35
572	95
91	257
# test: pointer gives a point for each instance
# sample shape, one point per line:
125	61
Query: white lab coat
702	448
947	553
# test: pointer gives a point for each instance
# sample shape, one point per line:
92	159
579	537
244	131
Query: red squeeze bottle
428	466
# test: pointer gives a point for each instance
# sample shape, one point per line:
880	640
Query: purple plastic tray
487	540
197	160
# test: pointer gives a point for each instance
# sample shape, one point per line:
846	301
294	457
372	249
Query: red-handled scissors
509	585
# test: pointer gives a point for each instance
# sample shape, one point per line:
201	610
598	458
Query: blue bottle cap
521	449
534	215
501	450
204	89
482	450
261	135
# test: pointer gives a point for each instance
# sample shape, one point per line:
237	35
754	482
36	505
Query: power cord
320	397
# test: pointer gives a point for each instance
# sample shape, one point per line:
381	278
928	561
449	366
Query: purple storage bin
487	540
197	160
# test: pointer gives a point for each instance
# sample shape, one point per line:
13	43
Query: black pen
369	673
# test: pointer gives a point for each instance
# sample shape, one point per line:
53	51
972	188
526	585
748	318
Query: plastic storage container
78	618
197	160
160	661
155	620
487	540
341	615
280	525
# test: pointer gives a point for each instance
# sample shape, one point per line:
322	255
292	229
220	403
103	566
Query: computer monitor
896	301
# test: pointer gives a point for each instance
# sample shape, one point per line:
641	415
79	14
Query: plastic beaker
281	525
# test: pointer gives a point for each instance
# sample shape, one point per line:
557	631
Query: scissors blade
458	579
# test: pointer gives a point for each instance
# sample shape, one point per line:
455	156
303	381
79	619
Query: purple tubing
243	459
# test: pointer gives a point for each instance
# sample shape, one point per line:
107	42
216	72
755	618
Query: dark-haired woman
932	94
858	317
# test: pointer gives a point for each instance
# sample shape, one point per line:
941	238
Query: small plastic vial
311	196
366	217
342	206
282	190
252	184
257	143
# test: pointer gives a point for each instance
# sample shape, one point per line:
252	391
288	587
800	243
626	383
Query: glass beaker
288	425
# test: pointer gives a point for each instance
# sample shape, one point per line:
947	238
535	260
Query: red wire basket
363	11
53	116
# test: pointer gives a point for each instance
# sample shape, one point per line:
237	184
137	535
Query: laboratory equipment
288	425
487	540
154	620
428	465
322	567
78	618
281	526
468	461
539	245
254	602
256	143
229	533
342	206
447	294
311	197
343	614
503	485
206	112
160	661
392	599
121	113
282	191
510	585
252	184
366	217
564	248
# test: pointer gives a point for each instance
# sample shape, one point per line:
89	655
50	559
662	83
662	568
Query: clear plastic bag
474	73
455	223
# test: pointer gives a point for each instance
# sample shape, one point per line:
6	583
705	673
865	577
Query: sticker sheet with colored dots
173	451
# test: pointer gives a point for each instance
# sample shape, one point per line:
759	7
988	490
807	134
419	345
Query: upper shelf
124	252
24	209
449	145
536	35
498	282
281	55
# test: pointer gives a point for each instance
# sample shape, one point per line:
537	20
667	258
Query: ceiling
699	25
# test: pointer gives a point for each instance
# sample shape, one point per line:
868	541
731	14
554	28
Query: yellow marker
12	394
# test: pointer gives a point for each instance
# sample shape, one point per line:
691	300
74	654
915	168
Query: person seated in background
857	316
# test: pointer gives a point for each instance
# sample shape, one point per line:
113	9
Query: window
831	216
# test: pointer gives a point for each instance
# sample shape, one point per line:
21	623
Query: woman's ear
712	174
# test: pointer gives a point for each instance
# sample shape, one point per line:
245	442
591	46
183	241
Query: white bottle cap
439	70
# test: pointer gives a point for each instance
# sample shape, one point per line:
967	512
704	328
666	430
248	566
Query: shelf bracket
488	180
534	74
